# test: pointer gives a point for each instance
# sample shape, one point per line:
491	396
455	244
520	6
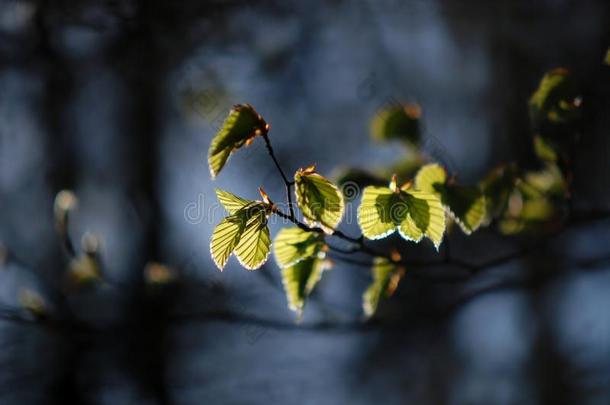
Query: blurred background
118	101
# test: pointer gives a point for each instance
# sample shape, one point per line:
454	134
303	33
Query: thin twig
287	183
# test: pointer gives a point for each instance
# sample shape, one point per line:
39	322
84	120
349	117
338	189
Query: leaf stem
287	183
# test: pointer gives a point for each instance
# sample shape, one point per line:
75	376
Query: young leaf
320	200
241	126
254	243
414	213
398	122
375	215
300	279
426	212
293	244
430	177
465	204
231	202
386	276
245	233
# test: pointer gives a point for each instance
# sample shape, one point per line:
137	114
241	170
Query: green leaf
397	122
607	58
293	244
426	212
414	213
244	233
231	202
555	101
544	150
430	177
375	215
300	279
386	276
466	205
255	242
497	187
320	201
240	128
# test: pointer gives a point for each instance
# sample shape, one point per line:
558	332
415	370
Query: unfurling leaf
398	122
292	245
465	204
300	279
241	126
386	276
320	201
414	213
244	233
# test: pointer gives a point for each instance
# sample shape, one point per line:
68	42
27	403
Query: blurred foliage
386	276
400	122
299	280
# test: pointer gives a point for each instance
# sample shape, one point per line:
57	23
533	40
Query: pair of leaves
301	258
244	232
465	204
240	128
320	201
386	276
413	213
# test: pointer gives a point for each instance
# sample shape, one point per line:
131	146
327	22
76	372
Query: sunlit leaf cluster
421	206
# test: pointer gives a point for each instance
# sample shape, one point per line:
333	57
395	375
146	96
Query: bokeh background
118	101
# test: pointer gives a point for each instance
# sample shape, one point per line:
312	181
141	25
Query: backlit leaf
245	233
466	204
254	243
300	279
375	212
429	177
397	122
414	213
427	213
231	202
293	244
320	200
240	128
386	276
